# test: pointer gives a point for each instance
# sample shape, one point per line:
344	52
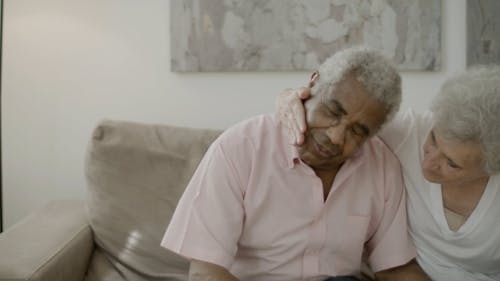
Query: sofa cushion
136	173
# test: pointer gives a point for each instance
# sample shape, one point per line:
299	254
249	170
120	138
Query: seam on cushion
76	235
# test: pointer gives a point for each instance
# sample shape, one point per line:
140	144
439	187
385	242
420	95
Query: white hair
467	109
377	73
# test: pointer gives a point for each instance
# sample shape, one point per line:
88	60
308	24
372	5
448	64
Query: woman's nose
431	157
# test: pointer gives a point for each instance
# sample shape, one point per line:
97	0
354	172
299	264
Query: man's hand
290	112
408	272
204	271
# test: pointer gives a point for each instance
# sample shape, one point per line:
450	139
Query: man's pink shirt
255	208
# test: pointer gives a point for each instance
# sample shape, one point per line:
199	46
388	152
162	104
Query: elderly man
259	208
451	166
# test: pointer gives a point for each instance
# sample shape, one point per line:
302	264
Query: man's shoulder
251	137
253	129
255	124
376	150
383	168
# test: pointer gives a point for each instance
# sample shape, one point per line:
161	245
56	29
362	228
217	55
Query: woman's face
450	162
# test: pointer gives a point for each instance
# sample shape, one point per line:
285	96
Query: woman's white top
470	253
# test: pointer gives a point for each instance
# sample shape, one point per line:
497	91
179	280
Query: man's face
338	123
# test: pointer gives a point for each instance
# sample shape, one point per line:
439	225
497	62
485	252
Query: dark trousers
342	278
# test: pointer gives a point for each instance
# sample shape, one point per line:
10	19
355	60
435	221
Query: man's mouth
323	150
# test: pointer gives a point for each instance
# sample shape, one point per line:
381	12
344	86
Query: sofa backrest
136	174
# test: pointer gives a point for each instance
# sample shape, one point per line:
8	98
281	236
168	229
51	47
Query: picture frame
483	32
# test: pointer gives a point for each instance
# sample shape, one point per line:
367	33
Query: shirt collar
291	156
290	153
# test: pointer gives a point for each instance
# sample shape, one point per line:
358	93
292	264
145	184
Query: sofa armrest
53	244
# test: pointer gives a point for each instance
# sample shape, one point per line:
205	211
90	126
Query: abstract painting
297	35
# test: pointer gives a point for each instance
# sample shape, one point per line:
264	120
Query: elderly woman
451	162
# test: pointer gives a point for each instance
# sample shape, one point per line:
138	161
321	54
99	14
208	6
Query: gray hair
377	73
467	109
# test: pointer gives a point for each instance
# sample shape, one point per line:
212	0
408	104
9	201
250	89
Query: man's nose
336	134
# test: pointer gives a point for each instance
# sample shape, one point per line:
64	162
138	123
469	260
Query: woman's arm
408	272
204	271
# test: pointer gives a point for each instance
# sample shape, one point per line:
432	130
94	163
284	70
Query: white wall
67	64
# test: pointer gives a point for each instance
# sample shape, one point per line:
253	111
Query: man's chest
290	209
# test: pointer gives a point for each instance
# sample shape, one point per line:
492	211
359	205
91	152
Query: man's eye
332	113
452	164
335	114
359	132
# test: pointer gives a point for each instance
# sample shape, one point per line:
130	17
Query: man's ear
314	76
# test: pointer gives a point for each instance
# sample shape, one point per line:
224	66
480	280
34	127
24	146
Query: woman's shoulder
407	125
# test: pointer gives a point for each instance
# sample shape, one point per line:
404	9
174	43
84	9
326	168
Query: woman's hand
291	113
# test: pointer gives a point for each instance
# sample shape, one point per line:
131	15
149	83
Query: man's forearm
204	271
408	272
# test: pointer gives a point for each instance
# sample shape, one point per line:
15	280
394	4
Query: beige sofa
135	175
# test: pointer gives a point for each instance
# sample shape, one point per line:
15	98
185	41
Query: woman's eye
433	138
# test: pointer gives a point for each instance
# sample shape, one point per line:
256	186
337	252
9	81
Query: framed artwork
297	35
483	32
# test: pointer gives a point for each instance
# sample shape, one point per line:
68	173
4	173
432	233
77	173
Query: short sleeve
391	244
208	220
